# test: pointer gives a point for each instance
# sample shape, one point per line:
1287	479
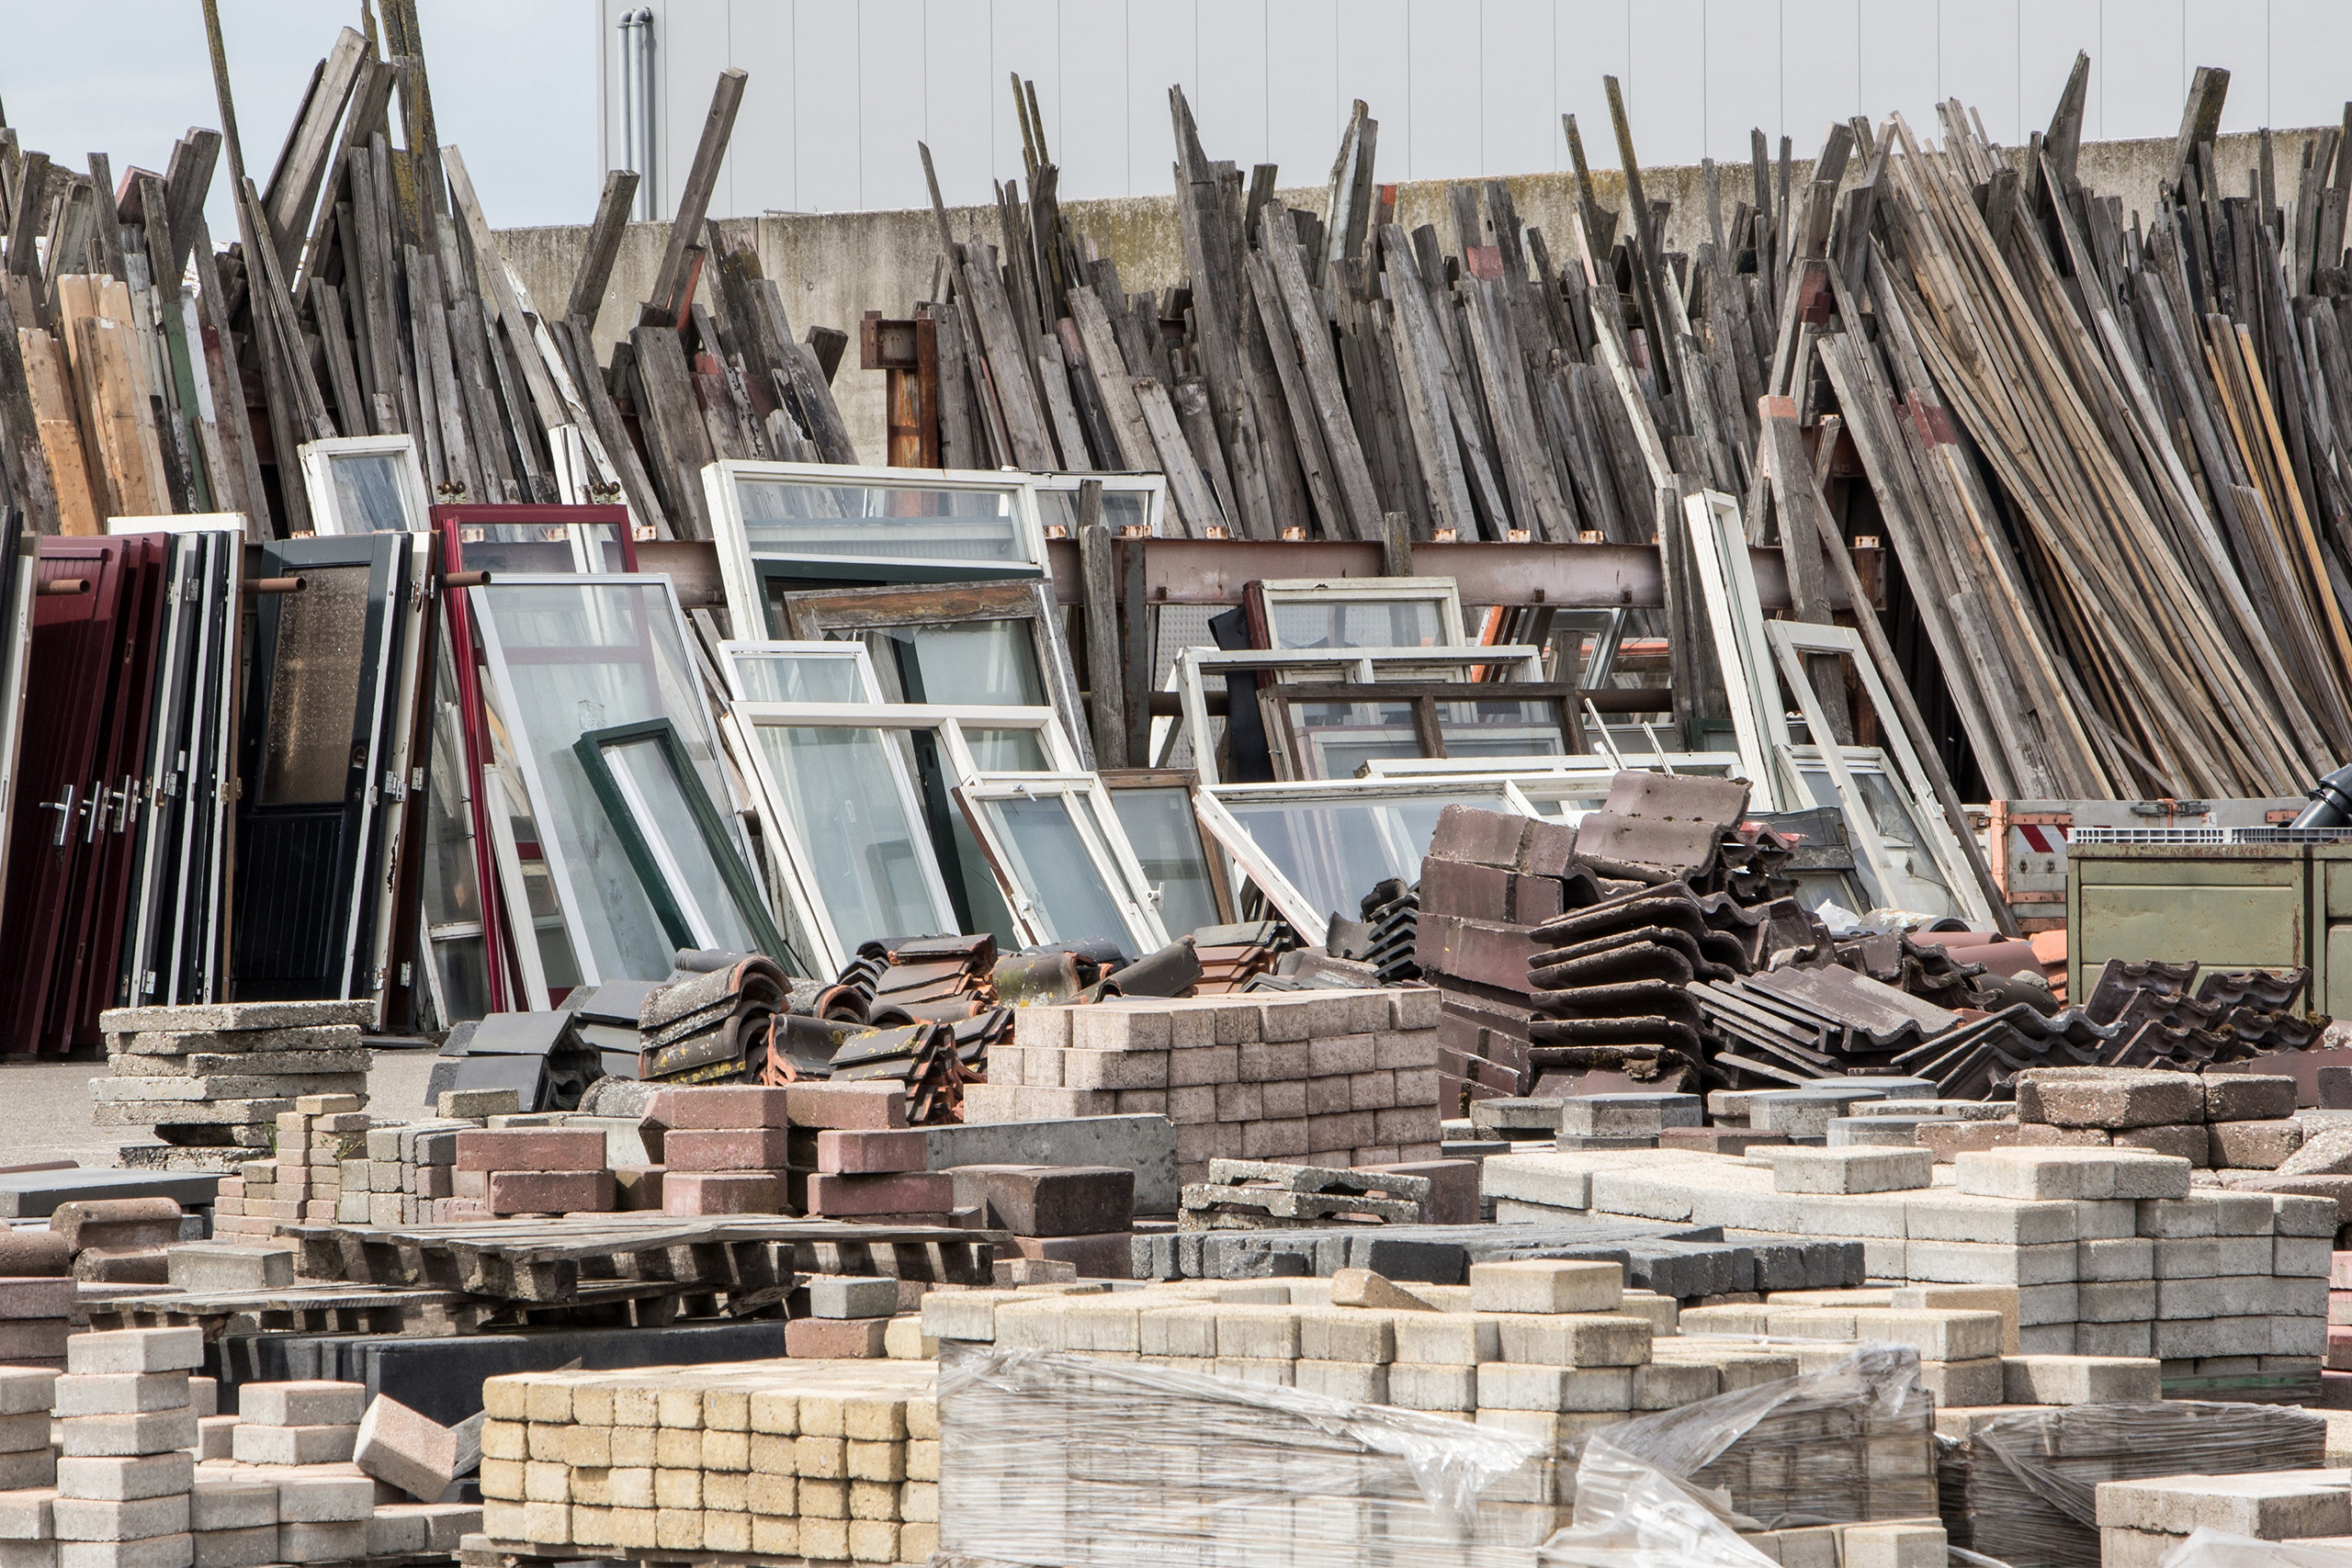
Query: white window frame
1735	616
537	793
1089	805
317	461
1791	641
731	650
1442	591
744	719
1361	666
1153	487
739	569
1210	804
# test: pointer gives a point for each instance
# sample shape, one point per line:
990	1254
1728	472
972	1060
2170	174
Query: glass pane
368	493
798	678
844	797
452	886
1121	509
545	547
983	663
1337	738
1048	861
315	688
1007	750
1336	851
1166	837
1405	623
1919	885
666	815
1501	729
788	517
582	656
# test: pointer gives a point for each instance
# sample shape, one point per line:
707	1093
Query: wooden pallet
553	1261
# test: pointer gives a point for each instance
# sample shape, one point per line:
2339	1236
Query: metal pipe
637	104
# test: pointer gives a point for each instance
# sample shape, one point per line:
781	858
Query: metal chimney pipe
637	105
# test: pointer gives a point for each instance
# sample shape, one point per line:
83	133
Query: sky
514	87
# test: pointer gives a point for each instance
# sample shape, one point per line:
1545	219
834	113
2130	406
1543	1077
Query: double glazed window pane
547	547
1920	882
1339	738
791	517
991	664
668	819
1336	851
1048	861
1406	623
368	493
798	678
570	657
1166	840
1501	729
851	819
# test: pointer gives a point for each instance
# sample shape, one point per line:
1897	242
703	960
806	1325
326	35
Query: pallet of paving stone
295	1309
551	1260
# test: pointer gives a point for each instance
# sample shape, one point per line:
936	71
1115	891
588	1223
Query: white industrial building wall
840	90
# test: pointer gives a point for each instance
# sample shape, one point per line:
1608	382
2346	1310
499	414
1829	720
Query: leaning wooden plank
1197	505
963	439
310	147
1069	435
1111	376
674	280
49	387
239	486
1325	392
676	442
603	247
571	341
489	263
1009	362
370	99
1306	419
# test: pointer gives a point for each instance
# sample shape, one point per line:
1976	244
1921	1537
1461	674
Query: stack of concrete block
530	1170
724	1150
36	1298
1082	1215
867	1164
1331	1078
118	1241
1804	1115
211	1078
316	1135
1628	1119
2021	1485
125	1424
26	1459
2141	1522
411	1171
306	1421
2113	1253
2221	1120
2339	1313
1891	1543
829	1460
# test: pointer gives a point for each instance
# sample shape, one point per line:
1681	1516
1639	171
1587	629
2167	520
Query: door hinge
393	788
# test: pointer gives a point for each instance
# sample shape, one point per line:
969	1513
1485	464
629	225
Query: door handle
64	810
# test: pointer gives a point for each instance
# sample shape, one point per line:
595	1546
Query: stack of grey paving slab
1629	1120
210	1079
2112	1252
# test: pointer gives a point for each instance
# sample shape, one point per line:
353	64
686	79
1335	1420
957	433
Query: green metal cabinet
2273	906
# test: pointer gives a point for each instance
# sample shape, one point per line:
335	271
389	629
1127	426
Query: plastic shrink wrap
2210	1547
1849	1443
1073	1461
2021	1487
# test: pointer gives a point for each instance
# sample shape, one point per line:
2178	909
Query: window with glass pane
788	517
1335	852
1920	882
322	657
798	677
368	493
1121	509
1166	838
1339	738
1501	729
670	823
568	657
1007	750
544	547
991	664
452	886
1046	850
1399	623
851	816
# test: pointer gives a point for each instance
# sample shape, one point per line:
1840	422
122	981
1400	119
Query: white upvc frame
318	460
1440	590
1792	640
1709	763
1358	666
178	522
1104	837
814	916
1152	487
1313	925
739	567
1735	616
540	800
402	776
733	651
